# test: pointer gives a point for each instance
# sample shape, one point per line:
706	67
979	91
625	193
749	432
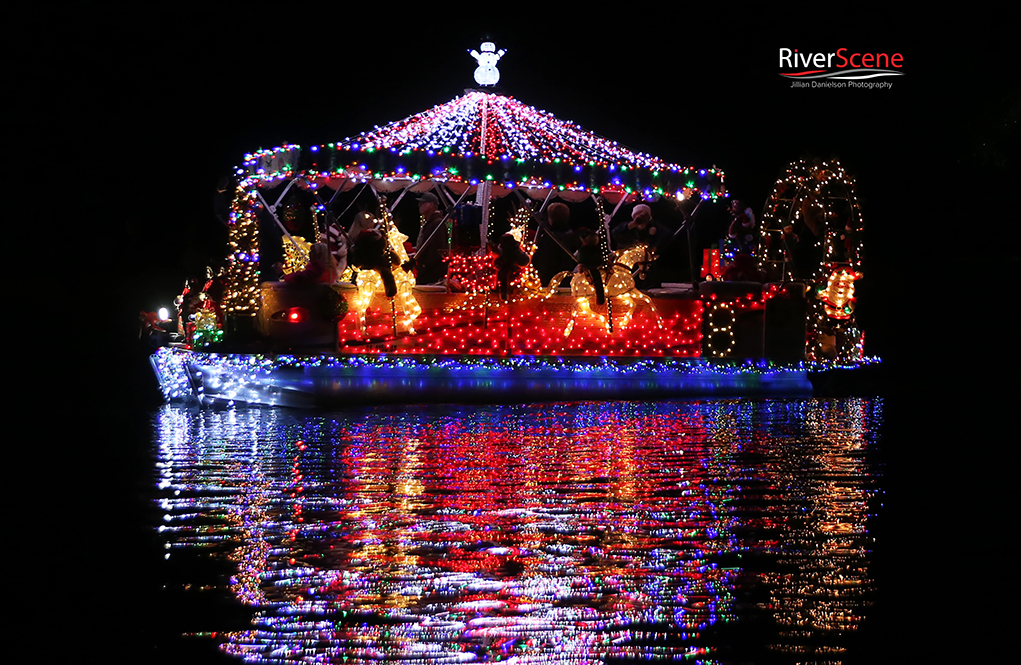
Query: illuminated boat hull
463	350
332	380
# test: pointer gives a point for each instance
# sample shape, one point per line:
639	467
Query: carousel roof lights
512	130
478	137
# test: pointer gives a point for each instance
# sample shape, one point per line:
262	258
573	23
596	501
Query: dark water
699	531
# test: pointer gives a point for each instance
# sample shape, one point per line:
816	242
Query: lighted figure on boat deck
510	261
618	283
590	259
486	74
320	267
619	287
386	270
838	294
742	227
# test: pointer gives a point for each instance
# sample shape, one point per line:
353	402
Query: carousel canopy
483	136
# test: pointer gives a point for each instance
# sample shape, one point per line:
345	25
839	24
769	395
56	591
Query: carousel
485	250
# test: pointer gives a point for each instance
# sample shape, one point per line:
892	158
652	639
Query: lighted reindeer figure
371	282
618	285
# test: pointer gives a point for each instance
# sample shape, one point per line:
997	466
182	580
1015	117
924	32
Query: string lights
280	379
521	147
811	231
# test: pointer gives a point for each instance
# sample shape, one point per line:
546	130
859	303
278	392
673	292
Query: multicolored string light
520	147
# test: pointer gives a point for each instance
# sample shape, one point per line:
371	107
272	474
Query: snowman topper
486	73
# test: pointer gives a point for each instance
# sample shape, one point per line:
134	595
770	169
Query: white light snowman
487	73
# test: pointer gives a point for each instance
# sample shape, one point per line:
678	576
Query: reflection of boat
496	164
559	532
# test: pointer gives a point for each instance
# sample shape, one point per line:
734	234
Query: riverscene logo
840	69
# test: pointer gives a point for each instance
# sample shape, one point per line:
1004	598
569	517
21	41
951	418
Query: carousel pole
442	222
606	219
482	197
441	196
687	227
272	209
393	316
604	241
485	190
542	227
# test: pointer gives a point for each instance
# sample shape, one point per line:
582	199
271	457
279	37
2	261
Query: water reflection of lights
564	532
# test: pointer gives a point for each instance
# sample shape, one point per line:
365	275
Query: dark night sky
146	105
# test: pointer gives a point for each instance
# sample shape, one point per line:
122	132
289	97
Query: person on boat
432	241
320	269
271	245
642	229
363	221
371	251
591	261
340	241
510	261
555	243
804	239
742	227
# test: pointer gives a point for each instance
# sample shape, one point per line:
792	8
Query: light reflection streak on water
557	532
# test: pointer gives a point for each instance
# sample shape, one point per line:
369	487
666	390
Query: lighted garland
266	364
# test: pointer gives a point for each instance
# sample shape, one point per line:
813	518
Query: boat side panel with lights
463	347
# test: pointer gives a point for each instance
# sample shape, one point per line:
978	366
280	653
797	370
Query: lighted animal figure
510	262
838	295
370	282
528	285
296	253
619	287
486	74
